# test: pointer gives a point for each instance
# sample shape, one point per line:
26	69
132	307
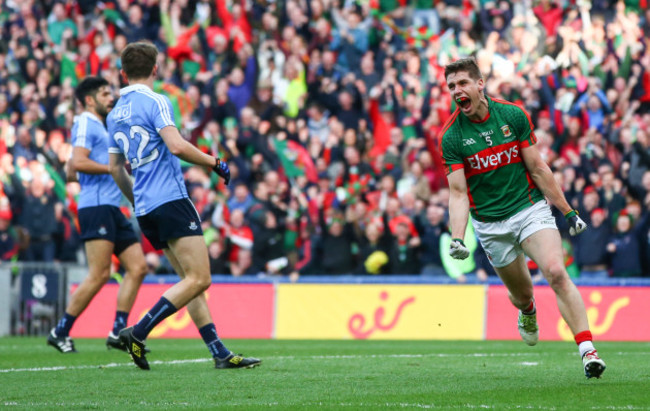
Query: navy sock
120	321
64	325
211	339
159	312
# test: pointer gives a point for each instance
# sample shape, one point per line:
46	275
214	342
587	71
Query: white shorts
502	239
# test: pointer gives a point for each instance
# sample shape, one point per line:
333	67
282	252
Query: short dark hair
139	59
89	87
468	65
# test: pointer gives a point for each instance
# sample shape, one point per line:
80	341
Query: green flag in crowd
59	184
180	103
295	160
68	71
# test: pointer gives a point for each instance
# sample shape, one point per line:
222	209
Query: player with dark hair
496	173
104	228
142	130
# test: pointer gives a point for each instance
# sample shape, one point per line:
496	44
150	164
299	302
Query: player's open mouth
464	103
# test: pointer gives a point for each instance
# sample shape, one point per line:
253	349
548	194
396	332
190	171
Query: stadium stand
329	113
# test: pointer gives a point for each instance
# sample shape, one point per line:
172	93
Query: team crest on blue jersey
102	230
122	113
193	225
506	131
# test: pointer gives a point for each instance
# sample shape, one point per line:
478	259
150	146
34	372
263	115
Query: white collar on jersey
90	116
134	87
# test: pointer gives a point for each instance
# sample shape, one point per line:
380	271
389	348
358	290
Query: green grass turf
496	375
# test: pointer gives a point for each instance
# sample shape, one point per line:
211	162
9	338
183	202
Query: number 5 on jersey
138	160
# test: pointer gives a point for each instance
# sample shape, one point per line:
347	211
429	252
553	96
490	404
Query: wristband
571	213
459	240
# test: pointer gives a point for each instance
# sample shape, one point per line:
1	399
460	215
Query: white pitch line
292	357
448	406
109	365
341	405
286	357
544	407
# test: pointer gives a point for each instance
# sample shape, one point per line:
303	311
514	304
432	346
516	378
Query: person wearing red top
550	15
239	235
383	121
235	23
9	244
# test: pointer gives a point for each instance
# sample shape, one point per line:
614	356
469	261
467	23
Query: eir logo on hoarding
357	322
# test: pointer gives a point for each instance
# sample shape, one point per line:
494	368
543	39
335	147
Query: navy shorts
171	220
107	222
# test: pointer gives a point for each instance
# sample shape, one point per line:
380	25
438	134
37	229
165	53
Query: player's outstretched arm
81	162
458	213
116	168
458	203
543	178
184	150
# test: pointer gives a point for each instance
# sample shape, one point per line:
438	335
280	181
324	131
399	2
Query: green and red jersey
498	182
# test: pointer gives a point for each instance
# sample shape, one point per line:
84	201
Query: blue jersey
133	125
89	132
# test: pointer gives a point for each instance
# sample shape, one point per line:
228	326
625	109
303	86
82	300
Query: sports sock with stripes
64	325
159	312
584	341
531	309
120	321
211	339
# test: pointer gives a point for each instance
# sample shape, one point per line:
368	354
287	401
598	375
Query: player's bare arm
458	203
70	173
81	162
184	150
116	168
543	178
458	213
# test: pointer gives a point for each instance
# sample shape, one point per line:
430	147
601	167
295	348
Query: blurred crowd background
328	112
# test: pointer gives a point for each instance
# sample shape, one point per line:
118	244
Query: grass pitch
351	375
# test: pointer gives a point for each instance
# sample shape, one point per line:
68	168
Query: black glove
576	225
222	170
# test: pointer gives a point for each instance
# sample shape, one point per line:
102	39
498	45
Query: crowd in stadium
329	113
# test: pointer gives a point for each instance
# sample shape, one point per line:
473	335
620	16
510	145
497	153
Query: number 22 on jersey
139	159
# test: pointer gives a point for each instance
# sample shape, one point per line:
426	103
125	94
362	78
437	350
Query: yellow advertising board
380	311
